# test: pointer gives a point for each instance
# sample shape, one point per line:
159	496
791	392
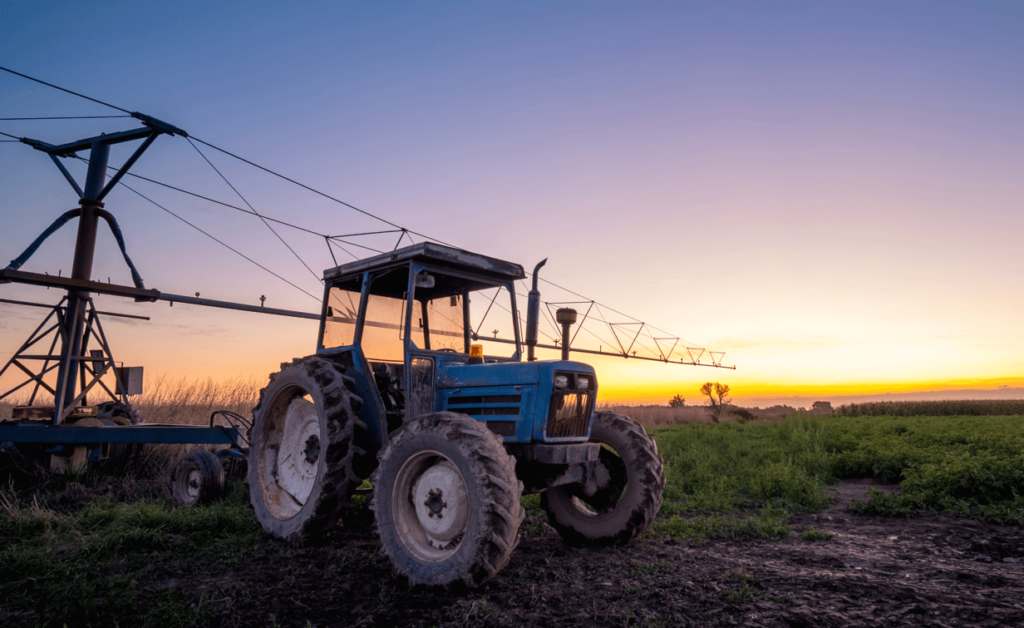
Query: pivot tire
198	478
304	448
115	455
446	501
111	455
627	503
117	412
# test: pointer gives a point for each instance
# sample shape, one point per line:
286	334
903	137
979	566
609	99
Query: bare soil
927	571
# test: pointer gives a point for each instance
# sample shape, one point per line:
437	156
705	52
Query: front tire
446	501
304	448
627	503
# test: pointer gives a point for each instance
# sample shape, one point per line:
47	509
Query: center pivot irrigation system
398	388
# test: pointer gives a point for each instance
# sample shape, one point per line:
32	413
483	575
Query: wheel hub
442	504
299	455
194	482
435	504
312	450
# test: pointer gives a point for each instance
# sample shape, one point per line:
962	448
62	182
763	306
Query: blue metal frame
40	432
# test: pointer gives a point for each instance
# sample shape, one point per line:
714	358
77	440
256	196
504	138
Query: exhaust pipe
533	314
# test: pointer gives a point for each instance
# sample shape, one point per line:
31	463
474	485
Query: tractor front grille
485	405
569	414
501	413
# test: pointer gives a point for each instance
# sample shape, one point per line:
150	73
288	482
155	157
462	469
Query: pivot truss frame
76	318
90	368
74	322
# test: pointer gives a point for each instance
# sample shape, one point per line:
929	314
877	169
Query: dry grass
191	402
181	401
659	416
655	416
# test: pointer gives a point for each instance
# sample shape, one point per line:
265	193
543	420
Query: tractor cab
439	330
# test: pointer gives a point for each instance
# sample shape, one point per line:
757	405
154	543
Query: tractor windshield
451	312
443	324
448	313
490	314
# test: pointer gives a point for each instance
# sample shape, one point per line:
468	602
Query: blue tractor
402	392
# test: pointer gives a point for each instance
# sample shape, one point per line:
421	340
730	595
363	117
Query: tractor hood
506	373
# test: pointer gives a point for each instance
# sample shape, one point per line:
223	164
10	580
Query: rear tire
198	478
627	504
304	449
446	501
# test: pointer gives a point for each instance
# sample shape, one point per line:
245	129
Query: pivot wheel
304	448
111	455
446	501
629	498
198	478
117	413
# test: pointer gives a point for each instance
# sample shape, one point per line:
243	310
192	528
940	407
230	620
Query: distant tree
677	402
722	392
708	390
822	407
718	397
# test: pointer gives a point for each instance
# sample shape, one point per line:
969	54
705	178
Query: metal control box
129	380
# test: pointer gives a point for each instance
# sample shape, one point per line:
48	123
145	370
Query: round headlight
561	381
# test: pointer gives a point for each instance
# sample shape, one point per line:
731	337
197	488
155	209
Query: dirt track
935	571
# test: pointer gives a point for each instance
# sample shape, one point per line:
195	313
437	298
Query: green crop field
729	478
951	407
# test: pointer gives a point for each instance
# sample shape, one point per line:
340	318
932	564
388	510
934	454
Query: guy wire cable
293	181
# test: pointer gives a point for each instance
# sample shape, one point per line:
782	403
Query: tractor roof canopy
477	271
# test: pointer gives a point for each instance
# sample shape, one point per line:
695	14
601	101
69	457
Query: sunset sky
830	193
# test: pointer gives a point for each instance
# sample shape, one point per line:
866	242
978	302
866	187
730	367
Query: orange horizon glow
761	392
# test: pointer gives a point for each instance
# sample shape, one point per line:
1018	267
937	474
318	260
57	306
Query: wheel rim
431	506
290	452
194	483
607	498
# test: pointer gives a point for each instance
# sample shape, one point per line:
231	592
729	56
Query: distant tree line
719	404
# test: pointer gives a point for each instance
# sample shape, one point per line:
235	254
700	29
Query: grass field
724	480
950	407
78	553
746	479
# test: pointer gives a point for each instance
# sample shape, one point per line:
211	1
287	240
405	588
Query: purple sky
830	193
